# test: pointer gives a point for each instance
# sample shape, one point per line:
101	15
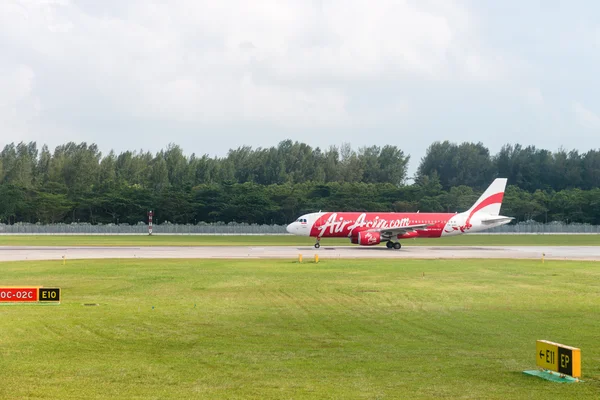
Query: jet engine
369	238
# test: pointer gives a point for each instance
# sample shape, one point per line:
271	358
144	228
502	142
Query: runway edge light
557	362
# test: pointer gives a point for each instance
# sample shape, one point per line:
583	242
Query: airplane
373	228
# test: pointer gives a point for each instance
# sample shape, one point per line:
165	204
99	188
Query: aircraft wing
399	230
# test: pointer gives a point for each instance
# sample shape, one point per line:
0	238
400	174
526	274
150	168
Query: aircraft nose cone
289	228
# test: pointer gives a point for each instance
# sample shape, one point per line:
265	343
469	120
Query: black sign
49	294
565	361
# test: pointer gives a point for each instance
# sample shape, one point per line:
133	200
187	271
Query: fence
549	228
247	229
142	229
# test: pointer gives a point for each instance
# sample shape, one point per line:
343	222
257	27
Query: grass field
289	240
272	329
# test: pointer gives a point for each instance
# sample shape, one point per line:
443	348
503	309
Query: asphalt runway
21	253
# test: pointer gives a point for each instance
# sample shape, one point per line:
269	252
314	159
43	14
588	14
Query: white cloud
586	117
534	97
292	105
207	61
18	103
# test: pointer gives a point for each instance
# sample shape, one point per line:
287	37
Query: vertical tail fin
491	200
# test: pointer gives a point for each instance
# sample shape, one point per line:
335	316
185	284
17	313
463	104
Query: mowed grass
287	240
272	329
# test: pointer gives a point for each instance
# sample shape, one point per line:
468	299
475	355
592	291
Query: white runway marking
18	253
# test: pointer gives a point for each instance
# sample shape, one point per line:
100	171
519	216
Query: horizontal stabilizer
494	219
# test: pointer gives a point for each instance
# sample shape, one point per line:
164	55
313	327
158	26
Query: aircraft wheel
389	244
397	245
317	245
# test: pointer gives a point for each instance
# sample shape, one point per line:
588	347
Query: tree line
76	183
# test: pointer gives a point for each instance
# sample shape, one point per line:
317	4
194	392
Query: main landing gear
396	245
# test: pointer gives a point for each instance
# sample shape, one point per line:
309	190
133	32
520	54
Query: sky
215	75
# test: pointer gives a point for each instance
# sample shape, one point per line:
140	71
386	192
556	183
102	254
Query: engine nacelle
354	240
369	238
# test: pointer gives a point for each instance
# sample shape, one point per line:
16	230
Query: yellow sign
558	358
49	294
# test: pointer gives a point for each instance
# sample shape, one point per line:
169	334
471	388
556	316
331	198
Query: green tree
50	207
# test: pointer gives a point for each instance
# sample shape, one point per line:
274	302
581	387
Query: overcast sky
214	75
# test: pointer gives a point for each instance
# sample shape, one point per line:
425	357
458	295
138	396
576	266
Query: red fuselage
349	224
